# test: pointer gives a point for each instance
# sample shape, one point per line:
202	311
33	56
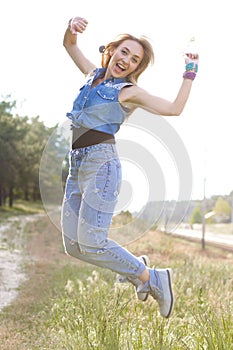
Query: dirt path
40	250
12	257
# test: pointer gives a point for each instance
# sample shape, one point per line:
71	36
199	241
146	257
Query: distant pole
232	213
203	217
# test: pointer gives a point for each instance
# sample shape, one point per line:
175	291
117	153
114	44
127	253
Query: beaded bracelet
190	66
189	75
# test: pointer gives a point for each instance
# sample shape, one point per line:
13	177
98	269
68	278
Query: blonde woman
108	97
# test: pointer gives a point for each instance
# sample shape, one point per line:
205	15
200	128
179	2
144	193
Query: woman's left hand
191	57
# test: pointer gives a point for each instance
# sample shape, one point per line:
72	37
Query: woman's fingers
191	57
78	25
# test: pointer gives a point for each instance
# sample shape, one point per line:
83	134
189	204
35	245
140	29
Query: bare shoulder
131	94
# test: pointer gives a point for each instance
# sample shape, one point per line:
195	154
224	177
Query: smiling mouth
120	67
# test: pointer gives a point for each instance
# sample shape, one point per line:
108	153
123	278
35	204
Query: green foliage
20	207
196	216
123	218
22	142
6	106
222	208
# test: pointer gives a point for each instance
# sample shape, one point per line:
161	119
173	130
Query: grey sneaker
160	288
135	281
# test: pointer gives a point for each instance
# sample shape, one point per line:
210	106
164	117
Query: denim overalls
94	180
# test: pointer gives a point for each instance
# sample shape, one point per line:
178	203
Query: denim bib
98	108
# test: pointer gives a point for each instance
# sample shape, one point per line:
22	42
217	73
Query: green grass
87	310
80	307
20	207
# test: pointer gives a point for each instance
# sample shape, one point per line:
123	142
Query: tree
222	209
22	143
6	106
34	141
9	136
196	216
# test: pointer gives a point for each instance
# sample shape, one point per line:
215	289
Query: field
67	304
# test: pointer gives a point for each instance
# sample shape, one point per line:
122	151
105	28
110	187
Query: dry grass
26	324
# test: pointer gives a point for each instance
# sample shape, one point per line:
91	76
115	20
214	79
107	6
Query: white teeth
120	66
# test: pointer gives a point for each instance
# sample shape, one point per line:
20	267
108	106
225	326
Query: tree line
22	141
218	209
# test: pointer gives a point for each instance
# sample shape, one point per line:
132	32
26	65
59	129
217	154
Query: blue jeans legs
91	193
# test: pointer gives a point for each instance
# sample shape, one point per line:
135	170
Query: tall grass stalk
79	307
91	311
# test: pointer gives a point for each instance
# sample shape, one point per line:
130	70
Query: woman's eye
124	52
134	60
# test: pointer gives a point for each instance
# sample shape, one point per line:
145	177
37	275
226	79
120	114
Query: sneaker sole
170	280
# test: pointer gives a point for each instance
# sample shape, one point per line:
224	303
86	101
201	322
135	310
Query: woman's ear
111	52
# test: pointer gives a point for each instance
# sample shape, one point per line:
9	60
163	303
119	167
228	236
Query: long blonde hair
148	56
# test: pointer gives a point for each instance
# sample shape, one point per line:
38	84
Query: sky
36	70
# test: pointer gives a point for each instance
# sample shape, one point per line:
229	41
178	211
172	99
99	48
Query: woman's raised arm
77	25
138	97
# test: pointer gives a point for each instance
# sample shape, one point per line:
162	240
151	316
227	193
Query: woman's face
125	59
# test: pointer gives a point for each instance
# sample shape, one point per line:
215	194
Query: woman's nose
126	59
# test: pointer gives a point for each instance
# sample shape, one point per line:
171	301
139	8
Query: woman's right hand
77	25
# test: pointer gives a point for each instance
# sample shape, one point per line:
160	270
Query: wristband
190	66
189	75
